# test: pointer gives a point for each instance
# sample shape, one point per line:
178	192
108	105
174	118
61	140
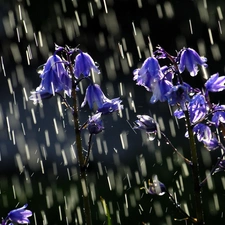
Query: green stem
195	172
83	172
89	150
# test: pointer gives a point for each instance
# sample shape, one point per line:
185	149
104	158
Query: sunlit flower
189	59
19	215
83	65
215	83
160	90
96	99
167	73
54	78
148	74
179	113
203	132
211	144
111	105
198	108
94	124
94	96
218	115
146	123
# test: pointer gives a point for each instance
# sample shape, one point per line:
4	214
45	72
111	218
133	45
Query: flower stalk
195	172
81	161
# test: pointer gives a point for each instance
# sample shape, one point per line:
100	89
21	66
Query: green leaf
106	210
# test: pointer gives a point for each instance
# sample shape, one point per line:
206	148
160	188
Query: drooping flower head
203	132
97	100
148	74
218	115
198	107
94	96
146	123
211	144
54	78
19	215
94	124
189	59
178	94
215	83
111	105
160	90
83	64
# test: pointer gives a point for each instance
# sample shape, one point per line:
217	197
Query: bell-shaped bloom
96	99
178	95
160	90
203	132
54	78
211	144
83	64
19	215
94	96
94	124
198	108
179	113
218	115
111	105
148	74
215	83
189	59
145	123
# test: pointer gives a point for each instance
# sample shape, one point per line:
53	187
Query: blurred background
38	163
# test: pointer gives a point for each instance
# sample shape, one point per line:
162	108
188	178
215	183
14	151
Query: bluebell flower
167	73
211	144
19	215
203	132
146	123
84	64
54	78
155	188
94	96
148	74
218	115
96	99
160	90
189	59
111	105
178	94
179	113
215	83
94	124
198	108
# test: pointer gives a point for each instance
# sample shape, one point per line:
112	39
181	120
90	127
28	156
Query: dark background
34	170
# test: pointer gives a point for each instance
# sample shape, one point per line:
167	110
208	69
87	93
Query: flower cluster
60	76
167	85
19	215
